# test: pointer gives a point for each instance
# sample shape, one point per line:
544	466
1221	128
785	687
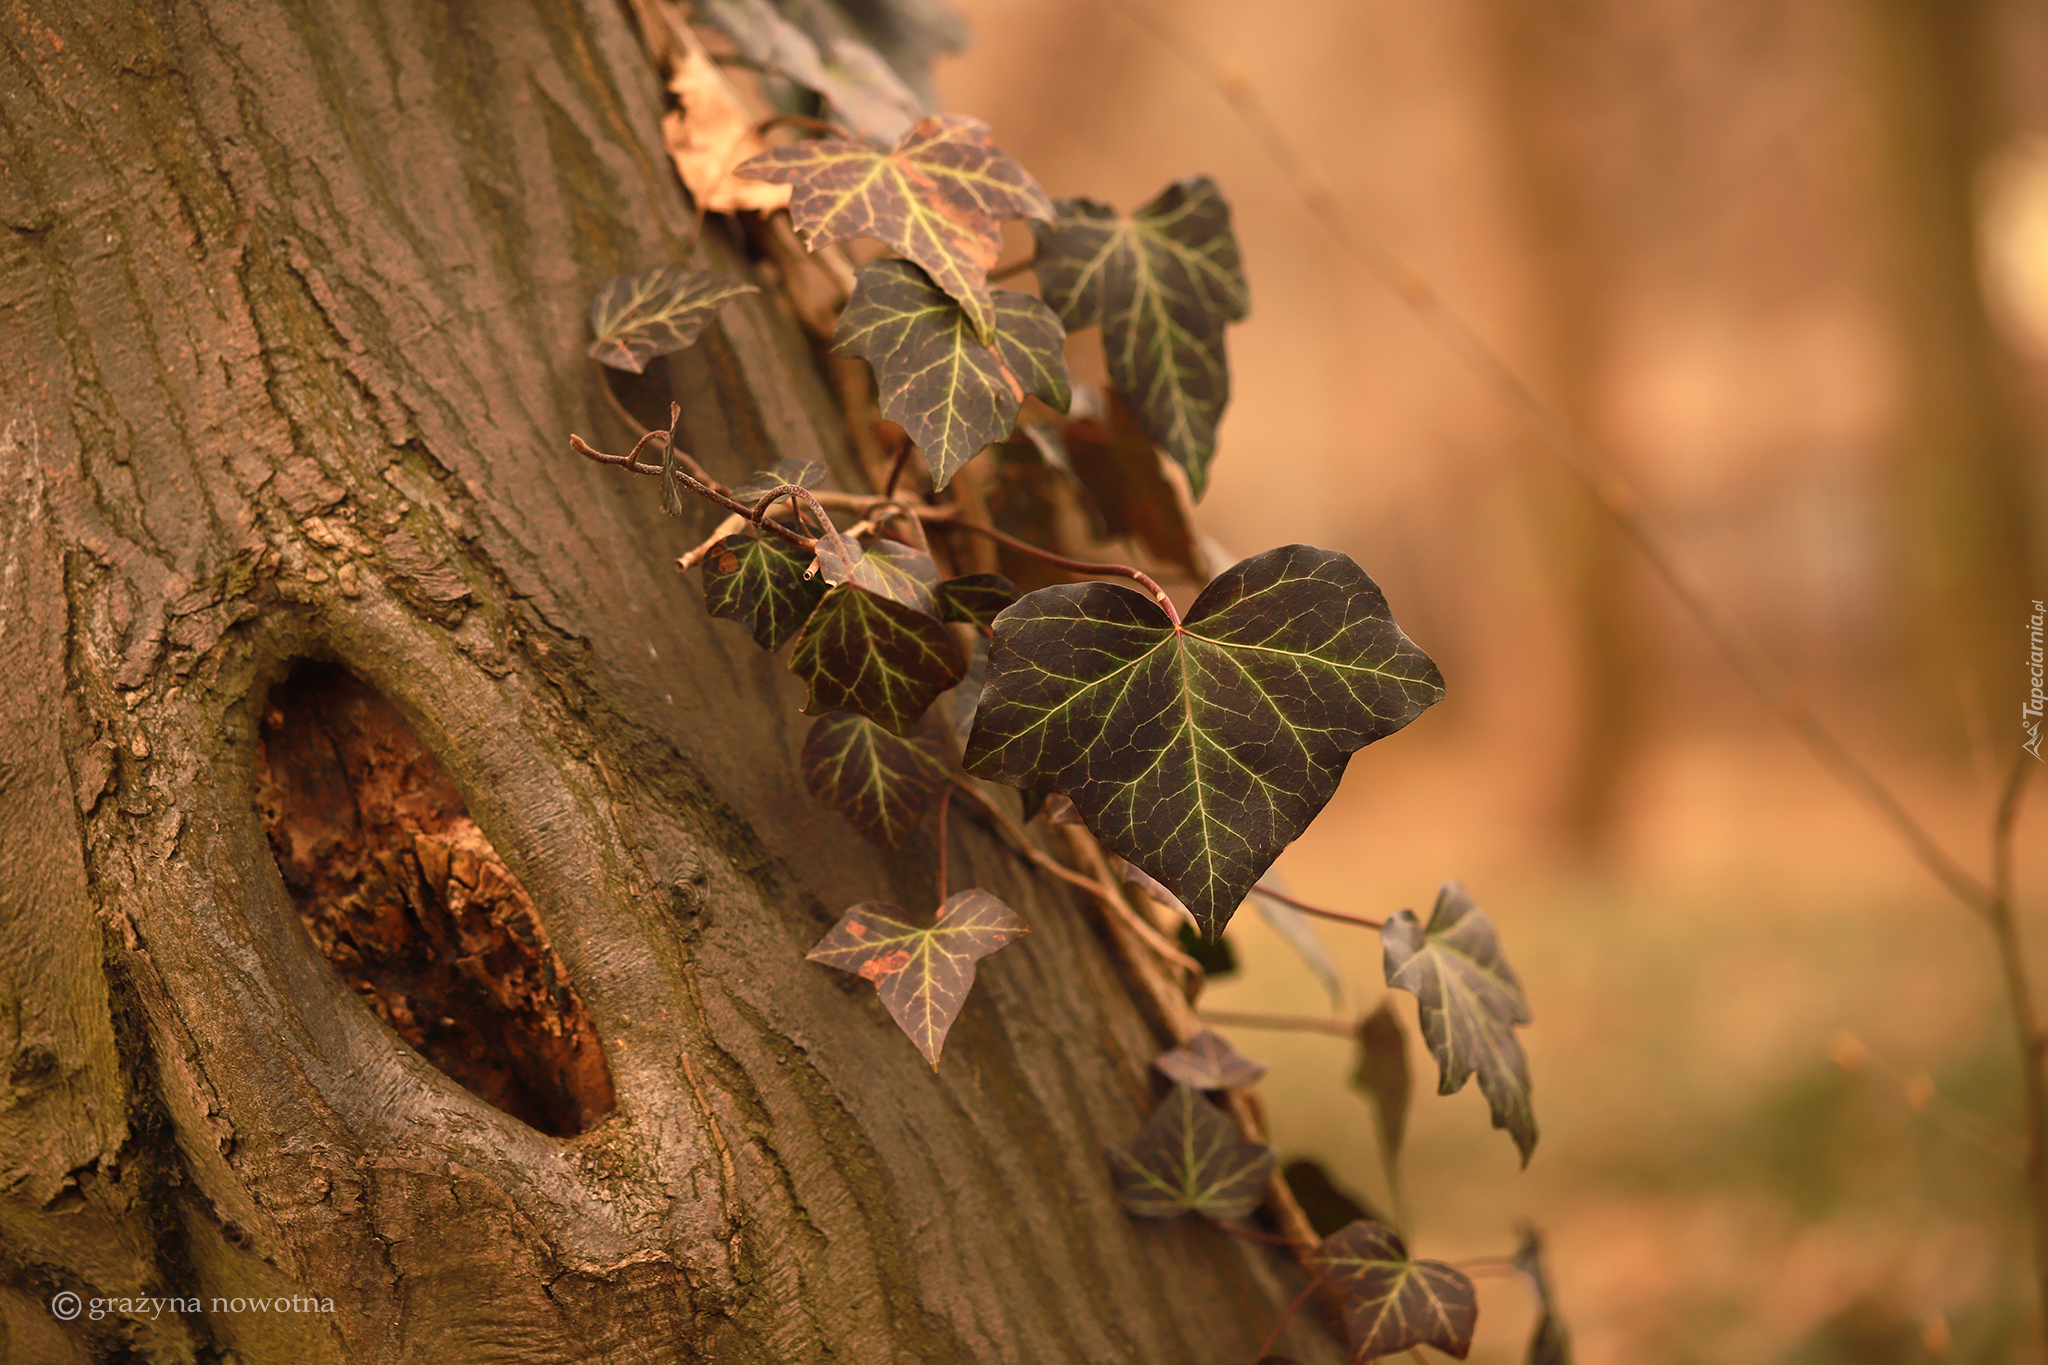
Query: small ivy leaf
902	573
1549	1343
1199	752
975	599
938	198
1392	1303
1382	1076
759	582
1327	1205
864	653
1162	283
922	975
638	317
802	473
1190	1158
1470	1002
852	77
1115	460
1206	1062
953	395
883	785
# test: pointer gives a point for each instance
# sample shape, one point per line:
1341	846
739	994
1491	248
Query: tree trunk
292	310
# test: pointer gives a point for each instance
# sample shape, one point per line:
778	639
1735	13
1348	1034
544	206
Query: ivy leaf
975	599
759	582
889	568
863	653
1470	1002
1391	1302
882	784
850	75
1206	1062
922	975
954	395
1199	752
938	198
1114	459
710	134
802	473
1189	1158
638	317
1549	1343
1162	283
1382	1076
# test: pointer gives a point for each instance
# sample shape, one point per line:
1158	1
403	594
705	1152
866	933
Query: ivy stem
896	469
945	800
630	462
1271	1239
1106	895
1280	1324
1295	1023
1077	565
1343	916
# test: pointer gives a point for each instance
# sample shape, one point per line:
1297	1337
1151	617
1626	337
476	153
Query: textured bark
291	312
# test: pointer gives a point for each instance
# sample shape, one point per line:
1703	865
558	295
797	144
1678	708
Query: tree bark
292	311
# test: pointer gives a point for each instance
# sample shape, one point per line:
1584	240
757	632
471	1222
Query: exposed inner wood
409	902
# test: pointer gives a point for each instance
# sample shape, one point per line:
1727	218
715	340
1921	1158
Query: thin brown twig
631	465
1293	1023
1077	565
2033	1046
1280	1323
1306	908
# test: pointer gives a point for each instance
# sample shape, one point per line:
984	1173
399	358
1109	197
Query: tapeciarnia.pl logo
2030	709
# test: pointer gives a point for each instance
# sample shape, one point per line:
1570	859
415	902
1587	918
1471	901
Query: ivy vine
1193	745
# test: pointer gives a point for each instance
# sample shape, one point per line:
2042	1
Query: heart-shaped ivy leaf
881	783
1381	1074
1470	1002
1549	1342
1200	751
1162	283
1206	1062
954	395
938	198
759	582
922	975
638	317
1189	1158
863	653
1392	1303
975	599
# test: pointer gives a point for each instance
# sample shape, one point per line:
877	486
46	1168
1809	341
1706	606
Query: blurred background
1788	264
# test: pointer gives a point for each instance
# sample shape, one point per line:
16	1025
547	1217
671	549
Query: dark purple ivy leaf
1190	1158
922	975
1392	1303
1199	752
1382	1076
881	783
1206	1062
954	394
638	317
759	582
1470	1004
863	653
1163	282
